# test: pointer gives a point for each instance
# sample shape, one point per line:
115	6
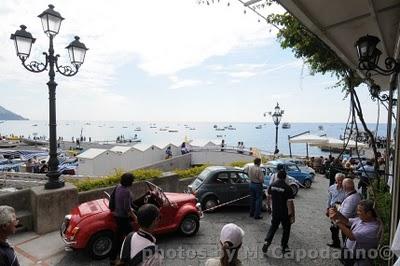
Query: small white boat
258	127
163	129
138	129
286	125
173	130
192	128
220	129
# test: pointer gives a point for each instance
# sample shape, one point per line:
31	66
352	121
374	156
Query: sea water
150	133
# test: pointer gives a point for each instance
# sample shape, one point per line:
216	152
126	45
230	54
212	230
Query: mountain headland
8	115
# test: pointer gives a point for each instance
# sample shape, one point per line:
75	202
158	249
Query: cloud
245	71
162	38
178	83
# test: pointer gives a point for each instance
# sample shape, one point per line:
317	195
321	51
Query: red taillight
74	232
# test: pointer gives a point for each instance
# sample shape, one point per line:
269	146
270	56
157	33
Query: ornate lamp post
51	22
276	117
368	56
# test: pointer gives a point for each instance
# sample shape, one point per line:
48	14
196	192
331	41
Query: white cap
232	233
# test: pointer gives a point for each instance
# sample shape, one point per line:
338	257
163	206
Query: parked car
269	171
305	178
219	184
301	164
91	225
293	183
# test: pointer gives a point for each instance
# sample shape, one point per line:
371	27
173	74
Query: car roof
276	162
223	168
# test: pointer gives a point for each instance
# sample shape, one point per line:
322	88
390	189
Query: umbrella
308	138
339	143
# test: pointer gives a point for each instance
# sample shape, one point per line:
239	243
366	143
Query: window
221	178
291	168
239	178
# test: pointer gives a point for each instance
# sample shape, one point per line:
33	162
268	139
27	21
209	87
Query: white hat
232	233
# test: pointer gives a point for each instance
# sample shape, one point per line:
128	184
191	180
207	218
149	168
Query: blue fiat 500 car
304	178
269	170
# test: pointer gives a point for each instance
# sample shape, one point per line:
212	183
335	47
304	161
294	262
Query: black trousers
124	227
335	234
276	220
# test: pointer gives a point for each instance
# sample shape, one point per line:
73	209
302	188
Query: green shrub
92	183
194	171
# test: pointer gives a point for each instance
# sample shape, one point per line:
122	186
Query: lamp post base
54	182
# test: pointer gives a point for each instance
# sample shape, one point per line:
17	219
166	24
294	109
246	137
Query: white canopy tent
306	138
339	143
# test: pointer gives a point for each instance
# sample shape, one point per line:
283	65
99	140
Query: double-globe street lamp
51	22
276	117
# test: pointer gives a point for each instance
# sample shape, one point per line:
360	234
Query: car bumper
68	244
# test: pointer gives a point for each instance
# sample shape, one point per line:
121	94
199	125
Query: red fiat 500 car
91	225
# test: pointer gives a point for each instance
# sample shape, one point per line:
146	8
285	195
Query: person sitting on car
139	248
231	240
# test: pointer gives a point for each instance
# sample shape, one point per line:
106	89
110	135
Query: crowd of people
354	225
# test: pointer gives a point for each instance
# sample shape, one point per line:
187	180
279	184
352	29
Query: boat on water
173	130
87	124
35	141
124	127
138	129
286	125
192	128
34	125
230	127
220	129
163	129
320	127
259	127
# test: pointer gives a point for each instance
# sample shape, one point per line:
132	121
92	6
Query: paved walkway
308	239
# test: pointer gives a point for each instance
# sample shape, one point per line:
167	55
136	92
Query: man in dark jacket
123	213
282	211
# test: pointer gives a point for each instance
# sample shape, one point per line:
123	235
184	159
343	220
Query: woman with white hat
231	241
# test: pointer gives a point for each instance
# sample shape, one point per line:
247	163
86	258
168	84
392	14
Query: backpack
111	202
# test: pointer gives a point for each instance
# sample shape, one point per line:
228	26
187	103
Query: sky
175	60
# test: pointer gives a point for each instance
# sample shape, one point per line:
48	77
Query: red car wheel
190	225
100	245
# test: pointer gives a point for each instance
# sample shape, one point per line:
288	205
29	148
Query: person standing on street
256	188
8	223
282	211
336	196
122	212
